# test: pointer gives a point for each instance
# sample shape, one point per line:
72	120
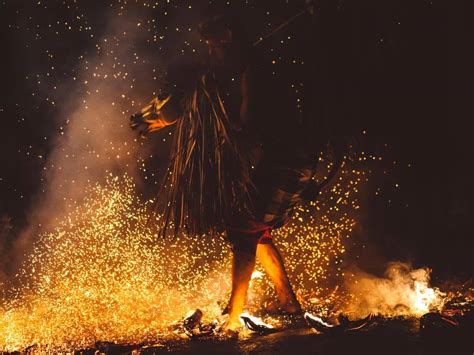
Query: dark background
405	67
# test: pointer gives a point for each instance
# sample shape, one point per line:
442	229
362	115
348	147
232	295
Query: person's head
226	42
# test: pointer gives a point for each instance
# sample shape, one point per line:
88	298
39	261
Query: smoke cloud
401	291
94	139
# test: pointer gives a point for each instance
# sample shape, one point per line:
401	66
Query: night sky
406	66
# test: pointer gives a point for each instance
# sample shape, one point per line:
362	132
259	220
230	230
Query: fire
103	274
426	298
403	291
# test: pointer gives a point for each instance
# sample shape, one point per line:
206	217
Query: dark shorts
278	191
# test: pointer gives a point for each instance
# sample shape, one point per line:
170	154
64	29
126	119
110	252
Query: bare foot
232	327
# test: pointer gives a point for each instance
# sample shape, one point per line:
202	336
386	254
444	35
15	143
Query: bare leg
242	267
272	262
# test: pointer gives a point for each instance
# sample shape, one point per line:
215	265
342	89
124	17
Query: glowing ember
103	274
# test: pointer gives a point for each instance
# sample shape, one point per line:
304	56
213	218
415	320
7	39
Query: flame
403	291
425	298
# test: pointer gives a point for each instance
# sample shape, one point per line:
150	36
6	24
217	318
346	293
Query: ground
388	337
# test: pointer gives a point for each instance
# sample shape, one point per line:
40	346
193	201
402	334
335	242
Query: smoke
5	228
401	291
123	65
94	138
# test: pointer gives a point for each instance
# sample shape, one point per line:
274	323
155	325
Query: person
257	165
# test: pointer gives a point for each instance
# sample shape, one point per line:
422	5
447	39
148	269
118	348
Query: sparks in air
103	274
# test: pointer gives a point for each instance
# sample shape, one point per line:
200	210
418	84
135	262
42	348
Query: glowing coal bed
104	276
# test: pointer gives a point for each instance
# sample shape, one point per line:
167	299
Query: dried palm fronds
150	117
209	178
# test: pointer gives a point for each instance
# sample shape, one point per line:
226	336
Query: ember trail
103	274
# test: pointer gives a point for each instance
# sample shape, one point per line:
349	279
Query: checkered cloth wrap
278	190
